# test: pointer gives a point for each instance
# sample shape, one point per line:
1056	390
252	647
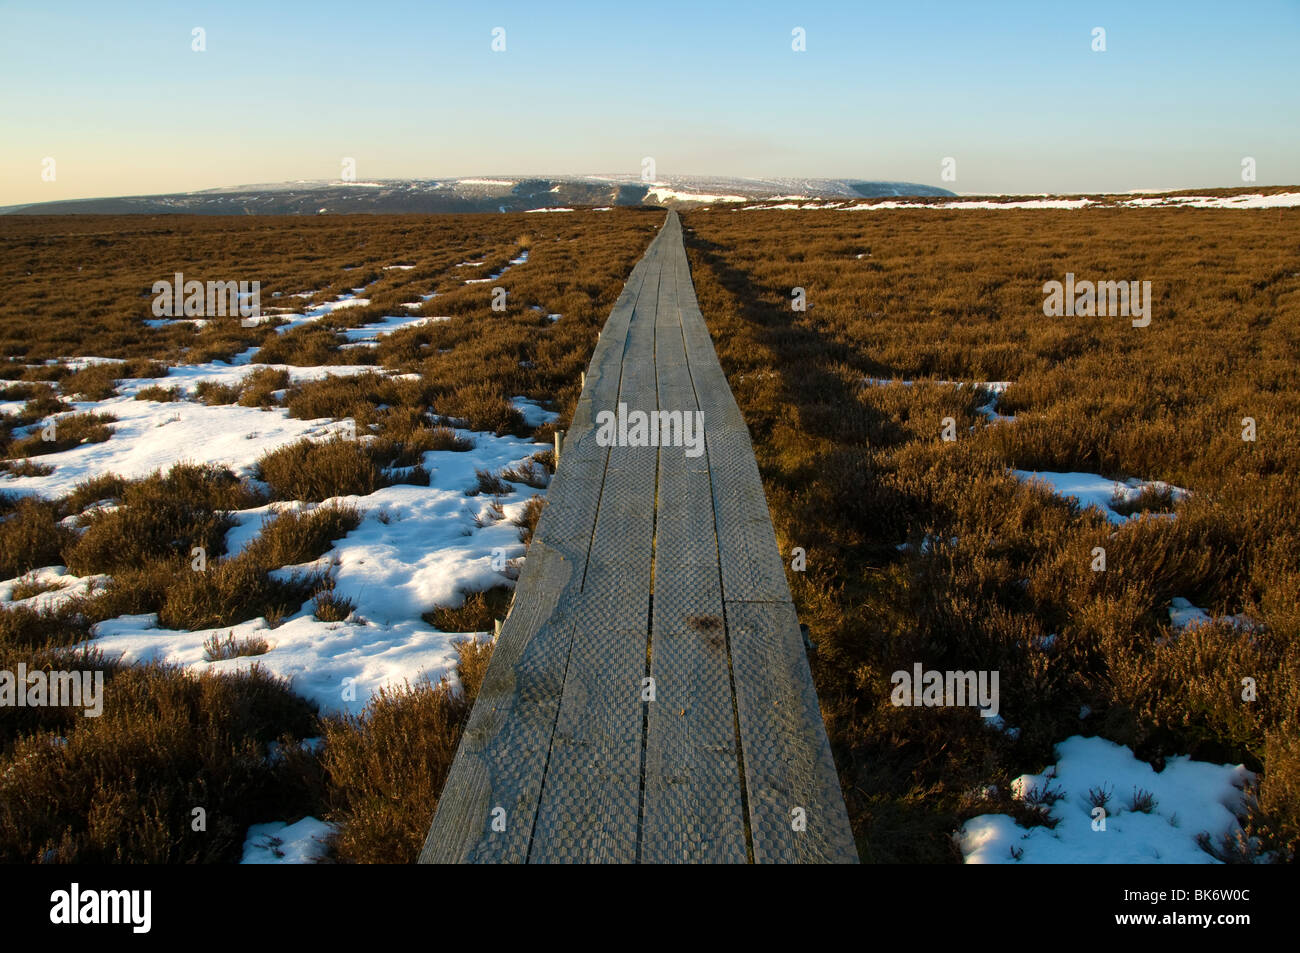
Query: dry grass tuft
386	768
476	614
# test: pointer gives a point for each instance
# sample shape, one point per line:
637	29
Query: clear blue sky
1013	91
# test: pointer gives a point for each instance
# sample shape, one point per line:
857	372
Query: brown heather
122	786
853	471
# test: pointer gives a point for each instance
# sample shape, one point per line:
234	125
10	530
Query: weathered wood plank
590	809
693	801
497	772
693	810
752	568
796	809
590	806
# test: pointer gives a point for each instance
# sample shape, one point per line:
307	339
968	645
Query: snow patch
1190	797
416	547
1089	489
305	842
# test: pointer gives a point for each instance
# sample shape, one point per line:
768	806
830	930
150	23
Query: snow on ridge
1278	200
371	333
995	387
662	193
1184	615
1253	201
518	260
534	414
1043	203
69	586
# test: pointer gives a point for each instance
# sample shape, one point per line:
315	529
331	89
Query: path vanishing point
653	573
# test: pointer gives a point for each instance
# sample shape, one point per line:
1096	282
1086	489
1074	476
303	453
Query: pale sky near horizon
115	94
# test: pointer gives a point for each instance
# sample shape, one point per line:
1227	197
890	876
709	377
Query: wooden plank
789	772
591	798
693	807
590	806
496	775
752	567
693	799
670	346
569	518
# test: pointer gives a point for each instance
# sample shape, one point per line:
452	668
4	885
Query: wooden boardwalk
653	570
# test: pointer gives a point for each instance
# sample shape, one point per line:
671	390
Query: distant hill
481	194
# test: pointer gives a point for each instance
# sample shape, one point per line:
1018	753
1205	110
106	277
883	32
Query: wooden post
496	629
582	380
559	442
